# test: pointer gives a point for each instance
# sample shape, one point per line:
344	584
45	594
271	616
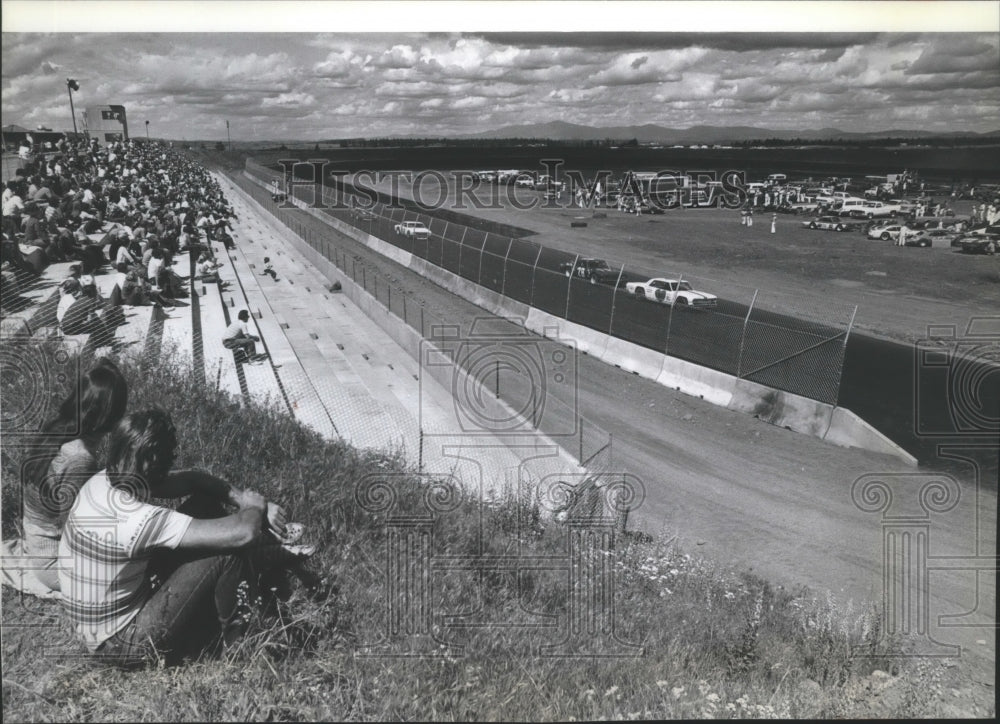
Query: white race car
671	291
414	229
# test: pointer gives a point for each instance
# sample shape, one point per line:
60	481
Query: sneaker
299	551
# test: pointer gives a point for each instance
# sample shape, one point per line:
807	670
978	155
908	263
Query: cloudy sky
315	86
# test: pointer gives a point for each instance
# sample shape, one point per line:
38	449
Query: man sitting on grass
237	337
140	580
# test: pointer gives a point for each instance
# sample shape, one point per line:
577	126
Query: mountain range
652	133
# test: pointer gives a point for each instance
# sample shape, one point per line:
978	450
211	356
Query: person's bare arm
186	482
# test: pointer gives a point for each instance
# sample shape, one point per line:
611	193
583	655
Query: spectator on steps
89	314
136	293
269	269
207	268
237	337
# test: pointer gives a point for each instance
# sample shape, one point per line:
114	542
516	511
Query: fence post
534	268
482	250
743	336
840	373
569	284
579	457
614	299
670	316
503	284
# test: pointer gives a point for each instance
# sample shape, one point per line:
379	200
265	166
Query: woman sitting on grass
62	459
117	542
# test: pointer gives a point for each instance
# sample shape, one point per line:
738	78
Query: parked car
980	243
877	209
596	270
926	237
672	291
415	229
885	231
798	207
833	223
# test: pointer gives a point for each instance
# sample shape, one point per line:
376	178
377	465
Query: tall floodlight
147	130
72	85
228	138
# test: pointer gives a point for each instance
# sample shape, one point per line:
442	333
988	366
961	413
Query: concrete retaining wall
783	409
848	430
691	379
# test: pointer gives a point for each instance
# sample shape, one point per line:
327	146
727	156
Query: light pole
228	138
147	130
72	85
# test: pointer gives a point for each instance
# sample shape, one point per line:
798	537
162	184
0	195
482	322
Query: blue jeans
198	589
173	620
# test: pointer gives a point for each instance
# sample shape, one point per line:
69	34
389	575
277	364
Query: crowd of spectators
127	206
153	586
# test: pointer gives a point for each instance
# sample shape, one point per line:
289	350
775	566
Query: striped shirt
104	553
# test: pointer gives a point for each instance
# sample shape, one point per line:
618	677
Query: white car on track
415	229
671	291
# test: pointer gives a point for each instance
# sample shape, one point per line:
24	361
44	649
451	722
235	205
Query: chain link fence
750	334
534	377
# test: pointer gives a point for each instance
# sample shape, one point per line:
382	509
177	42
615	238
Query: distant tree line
476	142
941	141
383	142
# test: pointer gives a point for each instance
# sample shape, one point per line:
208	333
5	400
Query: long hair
141	450
92	409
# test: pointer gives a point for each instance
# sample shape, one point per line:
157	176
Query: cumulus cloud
963	58
289	100
399	83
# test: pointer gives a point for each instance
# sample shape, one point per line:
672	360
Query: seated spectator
13	207
209	560
124	261
136	293
169	282
154	265
207	268
14	258
237	337
88	313
63	458
69	290
269	269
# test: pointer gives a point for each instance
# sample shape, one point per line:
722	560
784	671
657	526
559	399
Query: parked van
846	206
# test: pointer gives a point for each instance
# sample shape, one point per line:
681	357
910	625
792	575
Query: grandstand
327	363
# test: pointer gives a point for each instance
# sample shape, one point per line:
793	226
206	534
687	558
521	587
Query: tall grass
699	640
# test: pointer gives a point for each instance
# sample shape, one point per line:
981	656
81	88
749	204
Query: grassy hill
666	635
